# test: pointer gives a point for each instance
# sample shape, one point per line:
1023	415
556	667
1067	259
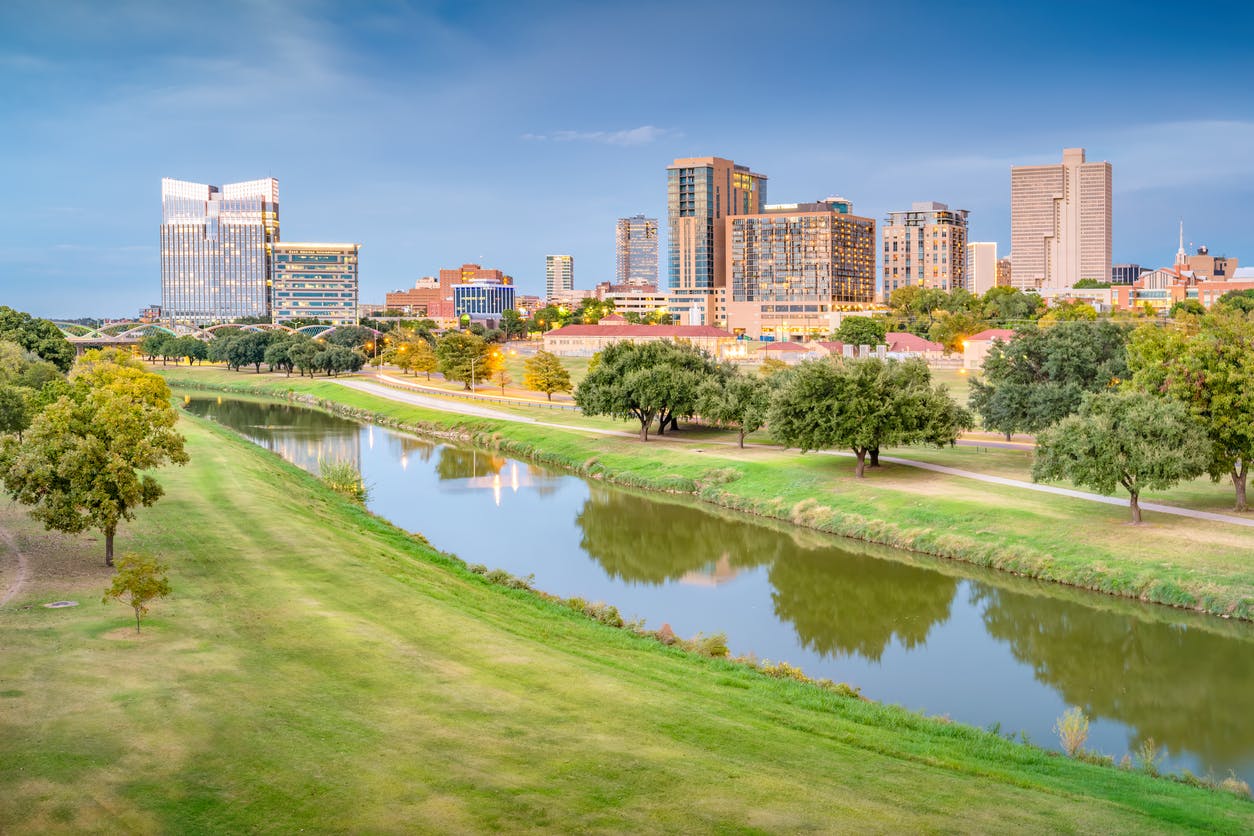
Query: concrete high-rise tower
559	275
1060	222
216	249
635	246
925	247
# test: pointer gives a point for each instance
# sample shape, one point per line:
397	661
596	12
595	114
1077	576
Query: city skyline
428	139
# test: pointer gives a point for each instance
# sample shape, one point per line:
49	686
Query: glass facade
810	259
635	245
700	192
482	298
315	281
559	275
216	249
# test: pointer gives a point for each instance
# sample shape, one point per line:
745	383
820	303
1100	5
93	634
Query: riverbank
318	668
1178	562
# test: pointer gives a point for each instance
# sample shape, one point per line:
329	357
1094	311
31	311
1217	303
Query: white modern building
981	266
559	275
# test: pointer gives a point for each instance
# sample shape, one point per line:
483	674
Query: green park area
1180	561
319	669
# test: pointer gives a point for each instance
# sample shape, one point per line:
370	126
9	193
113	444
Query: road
445	405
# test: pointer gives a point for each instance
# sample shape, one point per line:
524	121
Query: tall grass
343	477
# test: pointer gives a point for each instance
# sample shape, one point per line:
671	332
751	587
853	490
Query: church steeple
1182	258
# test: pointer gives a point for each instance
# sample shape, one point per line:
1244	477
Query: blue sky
438	133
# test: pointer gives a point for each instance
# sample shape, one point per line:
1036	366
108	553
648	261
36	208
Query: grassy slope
319	669
1170	560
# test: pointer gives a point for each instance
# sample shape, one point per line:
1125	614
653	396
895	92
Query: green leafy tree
1010	304
139	580
1238	300
301	355
1085	284
501	376
279	353
1210	369
656	380
350	336
735	400
1186	307
152	345
1070	310
1041	374
192	349
249	349
863	404
513	325
15	412
85	462
38	336
335	359
545	373
949	329
861	330
1128	438
464	357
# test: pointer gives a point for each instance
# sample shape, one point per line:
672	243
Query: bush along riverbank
1069	541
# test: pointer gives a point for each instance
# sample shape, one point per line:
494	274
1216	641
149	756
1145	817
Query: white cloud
642	135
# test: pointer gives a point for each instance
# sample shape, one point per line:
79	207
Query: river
939	637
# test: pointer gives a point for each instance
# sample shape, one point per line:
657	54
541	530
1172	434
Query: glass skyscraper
216	249
635	244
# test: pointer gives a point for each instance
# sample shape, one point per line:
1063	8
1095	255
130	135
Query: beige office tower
981	266
559	275
700	193
1060	222
925	247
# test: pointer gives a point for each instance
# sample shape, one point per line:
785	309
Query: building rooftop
905	341
992	334
599	330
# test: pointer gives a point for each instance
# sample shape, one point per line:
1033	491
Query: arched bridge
131	333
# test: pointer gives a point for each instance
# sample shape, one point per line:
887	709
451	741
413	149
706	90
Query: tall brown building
1060	222
793	267
925	247
700	193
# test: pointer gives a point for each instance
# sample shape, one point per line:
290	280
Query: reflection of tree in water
467	463
855	604
300	435
410	447
1188	688
649	541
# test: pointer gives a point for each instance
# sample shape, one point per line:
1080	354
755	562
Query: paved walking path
481	412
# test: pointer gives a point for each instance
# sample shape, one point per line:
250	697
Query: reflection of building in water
714	574
473	469
307	452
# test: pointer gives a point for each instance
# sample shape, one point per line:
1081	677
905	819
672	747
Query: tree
545	373
501	376
645	381
772	368
138	580
1041	374
191	348
1070	310
278	354
1186	307
1085	284
301	355
1211	371
152	345
512	324
735	400
14	410
1126	438
38	336
1239	300
249	349
350	336
84	462
863	404
336	358
861	330
464	357
1010	304
949	329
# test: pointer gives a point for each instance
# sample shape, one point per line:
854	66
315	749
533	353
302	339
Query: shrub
1235	785
1073	730
478	568
343	477
1149	756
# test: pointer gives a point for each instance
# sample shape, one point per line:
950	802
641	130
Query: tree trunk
644	428
742	438
109	546
1239	472
875	457
1007	436
1136	507
550	394
137	619
860	470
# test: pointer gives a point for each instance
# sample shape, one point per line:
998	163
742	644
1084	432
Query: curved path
466	409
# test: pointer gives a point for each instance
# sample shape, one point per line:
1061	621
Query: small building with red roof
586	340
790	352
976	347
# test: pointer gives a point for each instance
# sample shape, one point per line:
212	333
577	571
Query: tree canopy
1123	438
1041	374
36	335
465	357
544	372
735	400
85	461
861	330
863	404
656	380
1210	369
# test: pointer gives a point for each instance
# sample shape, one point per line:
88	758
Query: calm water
929	635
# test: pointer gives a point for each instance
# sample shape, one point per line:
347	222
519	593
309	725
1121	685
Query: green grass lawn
319	669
